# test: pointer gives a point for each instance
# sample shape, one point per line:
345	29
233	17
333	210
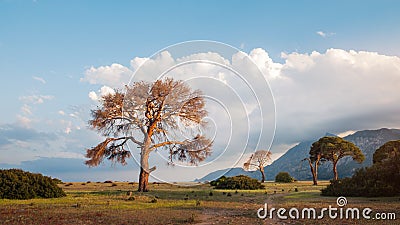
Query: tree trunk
335	173
144	168
262	174
313	172
316	172
143	181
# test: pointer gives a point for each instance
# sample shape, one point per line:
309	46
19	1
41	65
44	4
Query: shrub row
237	182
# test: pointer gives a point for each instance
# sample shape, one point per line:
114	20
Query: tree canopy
387	151
333	149
283	177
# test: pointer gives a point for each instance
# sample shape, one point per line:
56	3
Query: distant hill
367	140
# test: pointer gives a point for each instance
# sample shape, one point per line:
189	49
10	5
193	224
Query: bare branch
257	160
110	149
166	143
132	121
193	151
136	141
152	169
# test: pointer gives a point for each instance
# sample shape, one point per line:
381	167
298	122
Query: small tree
258	161
164	114
283	177
334	148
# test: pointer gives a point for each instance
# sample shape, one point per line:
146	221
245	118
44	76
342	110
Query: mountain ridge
367	140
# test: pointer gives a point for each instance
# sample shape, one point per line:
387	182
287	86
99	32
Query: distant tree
283	177
314	160
258	161
164	114
387	151
334	148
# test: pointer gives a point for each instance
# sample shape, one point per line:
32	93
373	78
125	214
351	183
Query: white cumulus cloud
105	90
336	91
93	96
115	75
333	91
269	68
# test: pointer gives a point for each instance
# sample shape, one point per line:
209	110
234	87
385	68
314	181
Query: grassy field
119	203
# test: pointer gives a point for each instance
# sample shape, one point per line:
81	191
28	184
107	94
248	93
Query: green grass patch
100	203
303	195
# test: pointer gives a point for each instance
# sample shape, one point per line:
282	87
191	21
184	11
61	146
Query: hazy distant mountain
367	140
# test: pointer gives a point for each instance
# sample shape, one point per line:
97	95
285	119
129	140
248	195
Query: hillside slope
367	140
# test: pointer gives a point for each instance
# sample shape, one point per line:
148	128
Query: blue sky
46	48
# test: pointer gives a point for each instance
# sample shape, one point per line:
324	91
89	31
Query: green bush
57	181
237	182
284	177
18	184
381	179
218	181
348	187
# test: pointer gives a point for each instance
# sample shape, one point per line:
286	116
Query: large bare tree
258	161
165	114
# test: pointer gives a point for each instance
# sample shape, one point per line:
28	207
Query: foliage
237	182
388	150
283	177
57	181
18	184
333	149
218	181
381	179
258	161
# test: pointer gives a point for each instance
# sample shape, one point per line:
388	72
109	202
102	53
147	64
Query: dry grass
107	203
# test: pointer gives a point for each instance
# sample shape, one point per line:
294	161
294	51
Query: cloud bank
337	91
